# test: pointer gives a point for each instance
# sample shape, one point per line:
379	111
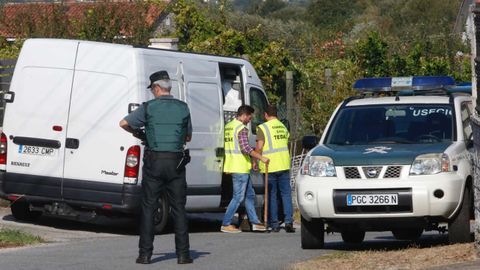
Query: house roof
20	19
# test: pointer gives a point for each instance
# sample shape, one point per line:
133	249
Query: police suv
394	158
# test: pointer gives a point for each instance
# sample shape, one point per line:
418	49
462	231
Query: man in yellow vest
238	163
272	142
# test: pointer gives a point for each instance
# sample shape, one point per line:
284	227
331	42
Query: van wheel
21	211
312	233
160	217
459	226
353	236
411	234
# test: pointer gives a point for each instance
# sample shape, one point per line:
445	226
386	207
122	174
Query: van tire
410	234
21	211
459	226
353	236
312	233
161	214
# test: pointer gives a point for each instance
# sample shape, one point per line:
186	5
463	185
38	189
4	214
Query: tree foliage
101	21
332	15
199	32
349	38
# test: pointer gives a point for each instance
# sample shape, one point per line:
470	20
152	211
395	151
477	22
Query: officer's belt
164	154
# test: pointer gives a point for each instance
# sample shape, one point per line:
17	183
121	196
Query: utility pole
290	103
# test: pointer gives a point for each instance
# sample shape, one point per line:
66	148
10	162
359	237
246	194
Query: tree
332	15
197	32
371	56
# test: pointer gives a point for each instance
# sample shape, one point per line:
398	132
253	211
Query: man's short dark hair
271	110
245	109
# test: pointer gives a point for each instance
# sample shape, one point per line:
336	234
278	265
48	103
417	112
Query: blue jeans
279	181
242	190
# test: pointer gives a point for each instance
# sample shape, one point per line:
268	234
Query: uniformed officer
167	127
237	162
272	142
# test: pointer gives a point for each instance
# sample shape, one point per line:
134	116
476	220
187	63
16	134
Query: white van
62	151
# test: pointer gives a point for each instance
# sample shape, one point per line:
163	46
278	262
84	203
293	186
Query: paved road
113	245
92	246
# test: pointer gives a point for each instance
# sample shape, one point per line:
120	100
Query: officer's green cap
157	76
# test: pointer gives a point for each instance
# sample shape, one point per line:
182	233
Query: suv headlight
430	164
318	166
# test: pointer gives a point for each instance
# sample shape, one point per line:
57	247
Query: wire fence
296	164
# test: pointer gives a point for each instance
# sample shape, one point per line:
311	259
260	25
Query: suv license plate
372	199
36	150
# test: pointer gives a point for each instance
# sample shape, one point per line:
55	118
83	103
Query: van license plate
372	199
36	150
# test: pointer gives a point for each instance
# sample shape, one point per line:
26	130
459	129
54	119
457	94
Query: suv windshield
418	123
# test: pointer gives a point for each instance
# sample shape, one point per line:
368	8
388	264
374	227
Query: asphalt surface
112	244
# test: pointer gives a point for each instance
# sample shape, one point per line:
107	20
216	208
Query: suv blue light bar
461	88
387	84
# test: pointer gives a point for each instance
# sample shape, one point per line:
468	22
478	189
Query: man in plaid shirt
238	163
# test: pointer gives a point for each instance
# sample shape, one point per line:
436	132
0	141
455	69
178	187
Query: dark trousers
159	175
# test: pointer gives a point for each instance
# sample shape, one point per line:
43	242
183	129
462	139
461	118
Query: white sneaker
258	228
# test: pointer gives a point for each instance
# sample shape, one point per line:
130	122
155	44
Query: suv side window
466	126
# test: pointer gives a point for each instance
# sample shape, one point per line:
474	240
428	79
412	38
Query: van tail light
132	163
3	151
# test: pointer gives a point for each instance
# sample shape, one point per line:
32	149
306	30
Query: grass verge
408	258
16	238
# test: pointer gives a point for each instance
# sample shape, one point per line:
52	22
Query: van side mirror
8	97
132	107
310	141
286	123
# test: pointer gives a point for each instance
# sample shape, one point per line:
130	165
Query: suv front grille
393	172
351	173
372	172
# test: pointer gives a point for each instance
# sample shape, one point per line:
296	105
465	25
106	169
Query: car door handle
72	143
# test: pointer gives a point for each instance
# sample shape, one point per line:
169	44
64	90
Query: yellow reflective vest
235	160
275	146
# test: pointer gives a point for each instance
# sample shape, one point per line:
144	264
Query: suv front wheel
459	226
313	233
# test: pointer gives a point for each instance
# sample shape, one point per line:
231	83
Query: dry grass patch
409	258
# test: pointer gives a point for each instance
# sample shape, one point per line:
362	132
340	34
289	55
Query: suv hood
377	154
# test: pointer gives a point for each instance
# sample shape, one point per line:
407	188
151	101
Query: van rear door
36	120
95	152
